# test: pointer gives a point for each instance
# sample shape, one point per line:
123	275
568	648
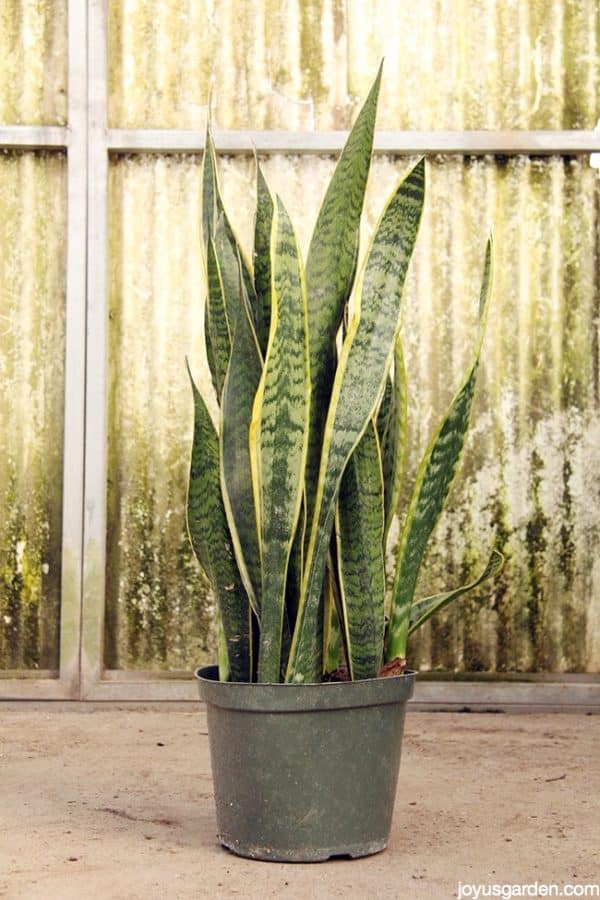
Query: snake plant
292	494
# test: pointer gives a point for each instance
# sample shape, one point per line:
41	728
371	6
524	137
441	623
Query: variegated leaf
262	257
434	479
215	219
210	356
423	610
241	383
212	544
295	567
363	367
229	264
360	525
210	190
332	633
393	439
280	423
330	271
216	320
383	412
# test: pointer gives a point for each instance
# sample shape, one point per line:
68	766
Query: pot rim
245	695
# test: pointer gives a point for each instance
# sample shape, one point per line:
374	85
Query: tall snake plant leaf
384	408
230	264
216	224
333	652
359	382
241	383
210	190
262	257
216	319
393	439
330	270
423	610
360	525
434	479
212	544
210	356
295	567
280	430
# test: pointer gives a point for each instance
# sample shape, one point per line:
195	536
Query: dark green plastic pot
305	772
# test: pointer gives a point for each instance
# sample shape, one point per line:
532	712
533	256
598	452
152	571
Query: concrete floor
106	803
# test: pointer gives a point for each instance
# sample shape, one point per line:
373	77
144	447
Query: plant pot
305	772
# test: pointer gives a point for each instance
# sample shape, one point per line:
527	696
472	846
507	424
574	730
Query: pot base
268	854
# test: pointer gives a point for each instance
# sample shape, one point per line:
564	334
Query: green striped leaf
333	652
393	439
232	262
210	190
434	479
241	383
229	264
262	257
216	320
216	225
280	422
363	367
383	412
210	356
211	541
295	567
360	525
423	610
330	271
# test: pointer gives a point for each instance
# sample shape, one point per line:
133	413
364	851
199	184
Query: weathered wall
532	463
532	466
157	609
33	62
32	295
531	476
306	63
532	472
33	91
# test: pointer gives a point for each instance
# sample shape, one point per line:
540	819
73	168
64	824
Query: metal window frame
395	143
73	139
89	144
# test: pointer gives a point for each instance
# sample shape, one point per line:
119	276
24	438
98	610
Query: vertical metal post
74	138
96	343
73	465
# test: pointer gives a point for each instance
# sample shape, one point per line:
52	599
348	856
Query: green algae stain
22	609
158	610
572	615
503	598
537	544
311	50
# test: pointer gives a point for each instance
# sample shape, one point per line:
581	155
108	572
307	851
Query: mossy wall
33	62
532	465
33	91
32	302
530	479
449	64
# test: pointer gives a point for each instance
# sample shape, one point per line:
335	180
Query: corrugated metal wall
534	454
531	476
157	611
450	64
33	62
533	457
32	296
33	91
